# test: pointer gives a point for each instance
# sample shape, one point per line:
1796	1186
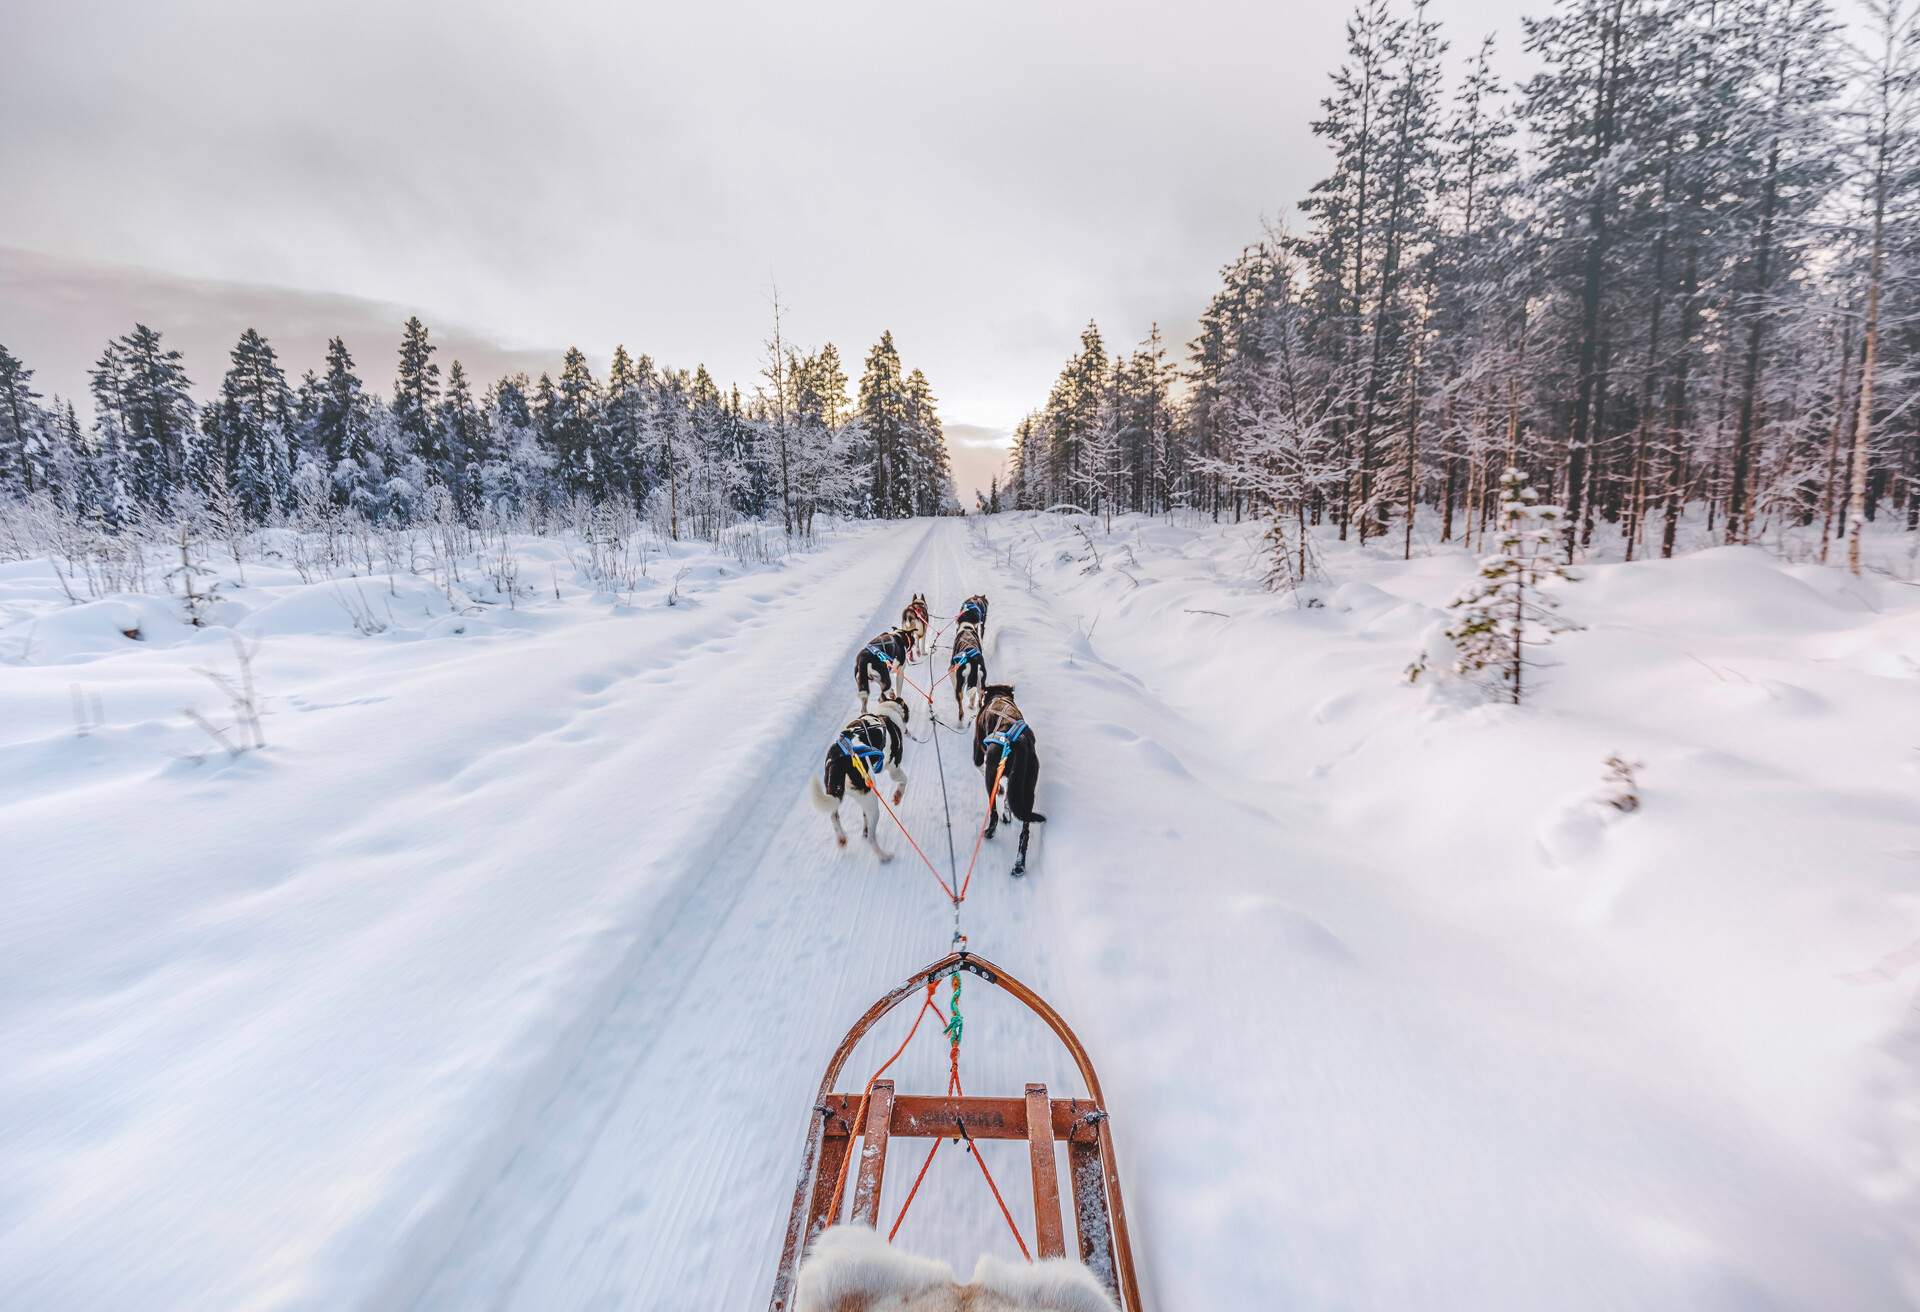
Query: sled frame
1100	1218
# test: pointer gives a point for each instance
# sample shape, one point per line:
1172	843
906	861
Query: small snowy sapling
1506	610
198	601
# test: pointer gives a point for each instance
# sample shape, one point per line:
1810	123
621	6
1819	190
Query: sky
979	179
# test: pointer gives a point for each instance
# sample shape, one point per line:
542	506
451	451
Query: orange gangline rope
874	788
993	794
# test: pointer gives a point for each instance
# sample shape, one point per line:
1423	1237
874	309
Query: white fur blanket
852	1269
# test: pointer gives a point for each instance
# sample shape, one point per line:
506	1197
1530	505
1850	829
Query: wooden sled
1100	1218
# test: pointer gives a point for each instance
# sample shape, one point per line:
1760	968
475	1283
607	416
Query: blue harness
971	608
1006	738
962	657
881	654
871	758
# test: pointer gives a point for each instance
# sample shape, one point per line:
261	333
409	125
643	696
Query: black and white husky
1007	754
974	611
877	660
868	747
969	668
914	619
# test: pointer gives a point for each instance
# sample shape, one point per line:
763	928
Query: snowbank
1729	966
272	1021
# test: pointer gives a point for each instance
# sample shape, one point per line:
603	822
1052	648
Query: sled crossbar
1040	1120
1099	1218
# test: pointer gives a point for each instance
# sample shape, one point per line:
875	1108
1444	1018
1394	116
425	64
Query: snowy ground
503	977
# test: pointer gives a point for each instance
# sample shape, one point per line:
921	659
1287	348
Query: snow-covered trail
660	1176
1323	1095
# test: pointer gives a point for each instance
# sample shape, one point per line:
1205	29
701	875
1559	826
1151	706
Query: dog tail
893	710
817	793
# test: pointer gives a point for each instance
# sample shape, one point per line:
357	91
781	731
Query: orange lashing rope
859	1117
953	1091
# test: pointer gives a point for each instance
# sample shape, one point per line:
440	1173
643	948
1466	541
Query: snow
503	976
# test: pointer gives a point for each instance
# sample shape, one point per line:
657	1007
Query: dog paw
840	841
899	793
884	856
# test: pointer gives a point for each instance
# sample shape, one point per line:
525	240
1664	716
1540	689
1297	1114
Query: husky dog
868	745
969	666
914	620
974	611
850	1268
878	658
1002	738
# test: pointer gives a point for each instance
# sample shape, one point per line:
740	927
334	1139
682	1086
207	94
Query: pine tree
416	396
1889	146
1073	412
624	417
929	472
251	428
342	434
19	418
1781	151
1505	612
145	408
463	437
515	478
885	427
825	473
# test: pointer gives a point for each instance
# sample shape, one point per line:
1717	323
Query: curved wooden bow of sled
1100	1217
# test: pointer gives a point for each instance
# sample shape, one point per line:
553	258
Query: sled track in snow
621	1113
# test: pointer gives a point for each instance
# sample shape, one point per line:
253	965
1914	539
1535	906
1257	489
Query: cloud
977	436
979	454
66	310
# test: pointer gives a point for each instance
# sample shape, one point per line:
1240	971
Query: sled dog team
872	743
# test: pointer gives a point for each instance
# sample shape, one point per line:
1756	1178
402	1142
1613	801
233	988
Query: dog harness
869	758
972	608
880	654
1006	738
962	657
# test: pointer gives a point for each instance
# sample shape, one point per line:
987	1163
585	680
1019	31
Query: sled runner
879	1116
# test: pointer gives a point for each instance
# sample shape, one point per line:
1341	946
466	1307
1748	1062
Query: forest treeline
1672	273
691	456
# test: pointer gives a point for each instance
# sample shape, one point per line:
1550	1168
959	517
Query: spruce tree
461	434
885	426
416	396
145	402
342	434
251	428
624	418
19	420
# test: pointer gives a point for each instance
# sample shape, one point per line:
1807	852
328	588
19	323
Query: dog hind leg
870	821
